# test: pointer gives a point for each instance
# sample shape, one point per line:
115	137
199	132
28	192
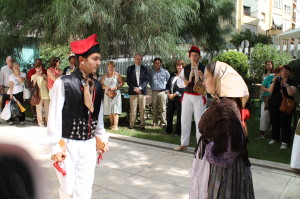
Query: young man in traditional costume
75	122
193	103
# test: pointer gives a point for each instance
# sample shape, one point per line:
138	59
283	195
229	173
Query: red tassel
245	115
204	100
181	97
99	158
59	169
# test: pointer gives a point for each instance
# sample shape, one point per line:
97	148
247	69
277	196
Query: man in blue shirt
158	78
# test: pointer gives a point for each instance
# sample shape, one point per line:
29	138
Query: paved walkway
141	169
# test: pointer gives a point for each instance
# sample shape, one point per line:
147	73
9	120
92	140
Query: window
263	17
287	9
286	25
247	11
277	4
277	22
252	28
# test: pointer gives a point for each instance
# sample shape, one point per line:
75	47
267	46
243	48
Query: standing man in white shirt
137	80
75	122
5	72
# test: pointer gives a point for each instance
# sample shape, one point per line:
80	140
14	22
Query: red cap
82	46
194	49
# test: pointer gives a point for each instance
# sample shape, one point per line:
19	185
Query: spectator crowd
172	92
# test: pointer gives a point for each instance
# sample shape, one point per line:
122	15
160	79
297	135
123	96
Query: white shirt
54	126
138	74
180	81
4	75
18	87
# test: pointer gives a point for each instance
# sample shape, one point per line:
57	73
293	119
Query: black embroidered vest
187	71
77	122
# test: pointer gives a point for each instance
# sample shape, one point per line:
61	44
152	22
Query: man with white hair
4	75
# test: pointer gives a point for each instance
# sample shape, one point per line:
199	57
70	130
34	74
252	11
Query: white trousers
191	104
264	118
80	168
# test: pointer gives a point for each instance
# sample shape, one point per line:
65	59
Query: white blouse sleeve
100	130
180	82
54	129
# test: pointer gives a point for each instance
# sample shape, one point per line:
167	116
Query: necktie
88	90
194	72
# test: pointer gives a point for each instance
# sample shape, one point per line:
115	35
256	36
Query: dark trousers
172	106
280	122
19	97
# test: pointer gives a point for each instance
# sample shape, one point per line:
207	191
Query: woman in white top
112	105
16	87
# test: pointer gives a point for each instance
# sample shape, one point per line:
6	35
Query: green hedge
237	60
262	53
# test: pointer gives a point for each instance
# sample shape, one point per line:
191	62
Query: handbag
110	93
35	96
26	94
14	109
266	101
199	87
287	105
6	114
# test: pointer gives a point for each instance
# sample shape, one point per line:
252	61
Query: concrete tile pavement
141	169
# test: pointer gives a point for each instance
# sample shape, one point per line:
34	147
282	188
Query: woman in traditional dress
221	168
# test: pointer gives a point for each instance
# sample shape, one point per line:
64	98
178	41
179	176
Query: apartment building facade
270	17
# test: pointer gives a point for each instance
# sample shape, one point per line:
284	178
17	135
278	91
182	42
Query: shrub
262	53
237	60
48	51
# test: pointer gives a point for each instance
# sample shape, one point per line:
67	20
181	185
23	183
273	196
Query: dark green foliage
237	60
47	52
214	20
148	27
262	53
237	38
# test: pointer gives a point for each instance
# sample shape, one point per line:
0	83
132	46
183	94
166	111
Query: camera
278	79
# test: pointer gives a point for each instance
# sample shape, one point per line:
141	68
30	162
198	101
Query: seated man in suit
137	80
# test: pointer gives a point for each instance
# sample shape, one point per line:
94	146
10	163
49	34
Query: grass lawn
258	148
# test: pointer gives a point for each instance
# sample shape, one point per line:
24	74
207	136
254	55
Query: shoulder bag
287	105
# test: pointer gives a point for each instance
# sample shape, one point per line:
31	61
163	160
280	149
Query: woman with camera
282	86
112	98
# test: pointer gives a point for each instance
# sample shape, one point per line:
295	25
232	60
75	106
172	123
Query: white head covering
228	83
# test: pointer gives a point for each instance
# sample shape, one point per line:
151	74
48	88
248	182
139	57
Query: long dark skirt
234	182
